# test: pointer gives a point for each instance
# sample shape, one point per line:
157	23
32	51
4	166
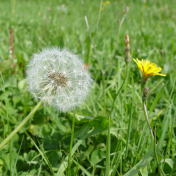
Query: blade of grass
108	150
40	168
141	136
82	168
116	154
156	99
71	144
64	163
10	147
141	164
21	124
99	14
41	153
87	24
158	162
117	162
165	126
129	146
129	129
30	139
45	157
17	156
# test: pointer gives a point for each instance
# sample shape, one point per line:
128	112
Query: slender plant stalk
104	94
160	168
87	24
21	124
147	119
109	137
126	73
154	138
42	154
17	157
115	48
71	144
129	129
99	14
108	150
10	150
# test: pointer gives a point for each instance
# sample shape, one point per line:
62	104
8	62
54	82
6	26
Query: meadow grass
41	147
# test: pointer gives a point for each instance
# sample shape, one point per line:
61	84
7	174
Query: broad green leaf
169	166
46	130
64	163
96	156
141	164
6	65
22	84
100	120
144	172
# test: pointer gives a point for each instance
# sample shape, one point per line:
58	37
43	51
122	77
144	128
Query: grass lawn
111	135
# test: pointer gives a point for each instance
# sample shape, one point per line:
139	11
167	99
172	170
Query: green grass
42	146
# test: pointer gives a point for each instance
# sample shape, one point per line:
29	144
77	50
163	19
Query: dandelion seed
59	78
148	68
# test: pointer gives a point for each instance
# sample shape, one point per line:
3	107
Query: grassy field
107	141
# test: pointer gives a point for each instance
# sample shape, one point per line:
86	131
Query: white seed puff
59	78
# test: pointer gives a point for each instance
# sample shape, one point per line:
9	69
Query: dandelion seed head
58	78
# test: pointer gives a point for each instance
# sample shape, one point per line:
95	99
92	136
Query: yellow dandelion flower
104	3
107	2
148	68
38	13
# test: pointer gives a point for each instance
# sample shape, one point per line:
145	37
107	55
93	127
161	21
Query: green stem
109	137
147	119
10	151
126	73
104	94
115	48
160	168
20	125
114	103
108	150
94	47
71	144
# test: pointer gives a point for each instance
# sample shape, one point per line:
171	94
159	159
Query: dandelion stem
71	144
21	124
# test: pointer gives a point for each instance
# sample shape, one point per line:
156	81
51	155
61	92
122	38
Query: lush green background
38	24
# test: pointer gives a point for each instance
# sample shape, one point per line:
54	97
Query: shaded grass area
39	24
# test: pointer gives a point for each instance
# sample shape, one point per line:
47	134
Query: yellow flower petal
148	68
